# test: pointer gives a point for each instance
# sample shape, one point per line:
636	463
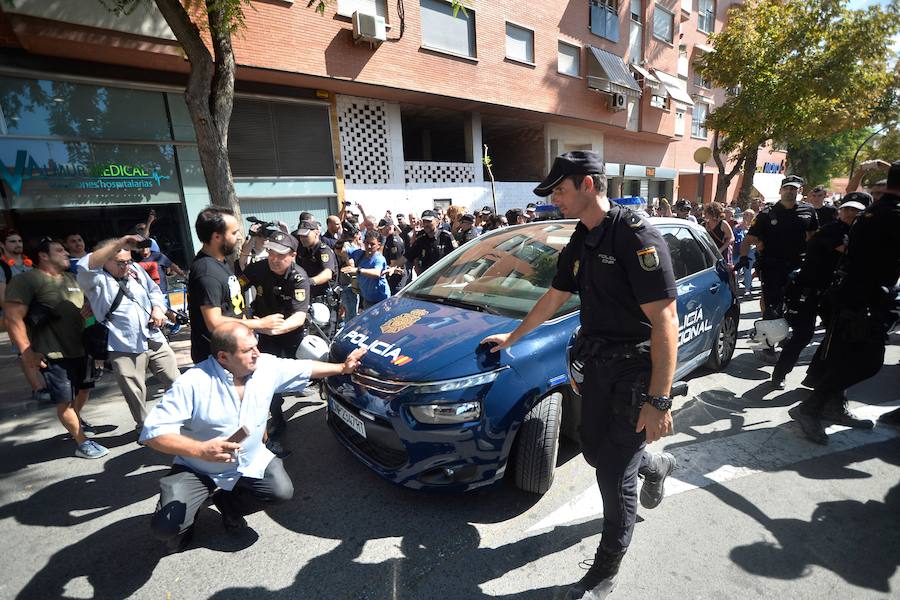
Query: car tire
724	342
537	445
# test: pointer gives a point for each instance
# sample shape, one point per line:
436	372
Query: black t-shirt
428	250
211	282
615	267
286	294
330	239
393	248
783	232
826	214
315	260
822	255
873	254
462	237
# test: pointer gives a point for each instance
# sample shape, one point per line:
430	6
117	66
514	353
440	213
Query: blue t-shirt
372	290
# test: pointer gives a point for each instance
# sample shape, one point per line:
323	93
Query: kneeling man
209	404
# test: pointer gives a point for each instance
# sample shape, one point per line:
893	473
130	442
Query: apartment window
444	32
698	120
700	81
605	19
661	102
346	8
663	24
637	13
679	122
569	59
519	44
706	16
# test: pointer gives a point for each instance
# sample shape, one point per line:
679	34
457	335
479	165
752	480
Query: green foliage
819	161
801	70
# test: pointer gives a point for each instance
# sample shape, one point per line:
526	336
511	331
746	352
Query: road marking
729	458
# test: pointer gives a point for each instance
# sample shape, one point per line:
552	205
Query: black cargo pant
801	316
774	275
852	351
183	492
609	412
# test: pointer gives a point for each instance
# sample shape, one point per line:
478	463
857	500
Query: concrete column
395	134
475	144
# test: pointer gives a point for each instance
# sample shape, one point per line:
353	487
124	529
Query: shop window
279	139
706	16
519	43
568	59
37	107
604	18
443	31
698	120
346	8
663	24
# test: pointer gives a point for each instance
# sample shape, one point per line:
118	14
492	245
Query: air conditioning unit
368	28
617	102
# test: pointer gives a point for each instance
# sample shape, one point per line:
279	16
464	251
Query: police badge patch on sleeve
324	257
299	295
649	258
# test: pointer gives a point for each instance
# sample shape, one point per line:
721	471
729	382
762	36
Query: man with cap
780	233
316	258
620	265
282	287
430	244
825	213
530	209
466	231
864	311
683	211
394	250
804	297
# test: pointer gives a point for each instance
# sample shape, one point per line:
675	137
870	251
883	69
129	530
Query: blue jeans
747	273
350	301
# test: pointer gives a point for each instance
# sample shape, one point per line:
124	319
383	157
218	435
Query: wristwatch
357	270
662	403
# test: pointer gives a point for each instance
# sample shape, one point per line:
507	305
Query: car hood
415	340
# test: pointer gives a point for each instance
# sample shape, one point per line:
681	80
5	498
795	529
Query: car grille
379	385
382	446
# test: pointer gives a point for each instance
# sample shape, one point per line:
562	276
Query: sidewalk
15	394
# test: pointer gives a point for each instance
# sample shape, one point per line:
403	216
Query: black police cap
579	162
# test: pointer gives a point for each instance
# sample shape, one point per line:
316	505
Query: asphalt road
753	511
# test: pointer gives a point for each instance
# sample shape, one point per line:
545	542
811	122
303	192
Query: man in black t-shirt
619	264
825	213
214	294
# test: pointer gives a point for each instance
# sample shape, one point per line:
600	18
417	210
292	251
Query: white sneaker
90	449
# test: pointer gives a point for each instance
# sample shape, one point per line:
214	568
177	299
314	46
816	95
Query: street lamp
702	156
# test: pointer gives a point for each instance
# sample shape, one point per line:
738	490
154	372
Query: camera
181	317
264	229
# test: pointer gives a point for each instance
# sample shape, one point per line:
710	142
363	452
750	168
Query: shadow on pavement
860	542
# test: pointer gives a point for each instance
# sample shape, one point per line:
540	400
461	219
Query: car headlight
444	414
451	385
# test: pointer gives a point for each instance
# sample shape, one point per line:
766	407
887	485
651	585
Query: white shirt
203	404
128	325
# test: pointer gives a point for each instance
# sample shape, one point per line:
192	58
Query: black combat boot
810	424
652	489
600	580
836	411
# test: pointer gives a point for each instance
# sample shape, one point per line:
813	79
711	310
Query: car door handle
714	288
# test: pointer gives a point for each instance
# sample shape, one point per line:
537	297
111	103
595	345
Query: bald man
212	420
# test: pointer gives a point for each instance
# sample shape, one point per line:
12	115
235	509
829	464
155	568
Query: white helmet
770	331
312	348
319	313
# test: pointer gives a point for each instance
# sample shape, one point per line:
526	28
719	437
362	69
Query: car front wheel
537	444
724	342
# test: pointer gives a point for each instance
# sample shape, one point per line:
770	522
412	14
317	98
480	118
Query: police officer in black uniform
316	258
394	251
282	287
864	308
780	234
620	266
804	295
430	244
466	231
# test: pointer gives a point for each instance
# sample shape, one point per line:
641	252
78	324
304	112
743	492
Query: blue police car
430	408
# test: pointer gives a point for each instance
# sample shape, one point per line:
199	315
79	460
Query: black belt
589	347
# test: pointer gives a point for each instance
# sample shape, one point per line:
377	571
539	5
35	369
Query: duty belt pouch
638	389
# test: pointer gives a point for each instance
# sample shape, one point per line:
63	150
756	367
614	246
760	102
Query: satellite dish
702	155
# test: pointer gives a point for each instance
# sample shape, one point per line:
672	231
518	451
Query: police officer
466	231
781	232
430	244
804	295
394	250
864	305
282	287
620	266
825	213
316	258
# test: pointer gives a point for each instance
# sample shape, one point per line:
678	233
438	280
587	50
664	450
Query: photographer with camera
282	287
130	304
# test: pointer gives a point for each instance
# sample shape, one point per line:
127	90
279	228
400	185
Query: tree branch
222	96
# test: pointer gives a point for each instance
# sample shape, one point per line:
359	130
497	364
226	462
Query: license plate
354	422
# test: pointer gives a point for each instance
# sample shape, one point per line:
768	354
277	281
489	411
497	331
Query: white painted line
733	457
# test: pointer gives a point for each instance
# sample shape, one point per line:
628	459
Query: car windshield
503	272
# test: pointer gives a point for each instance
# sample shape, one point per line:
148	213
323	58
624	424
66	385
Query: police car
430	408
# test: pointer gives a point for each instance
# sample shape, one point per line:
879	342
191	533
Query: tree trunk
209	95
749	169
725	178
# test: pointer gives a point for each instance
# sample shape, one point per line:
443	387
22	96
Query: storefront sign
651	172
